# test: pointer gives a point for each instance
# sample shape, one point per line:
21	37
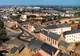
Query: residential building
48	50
67	14
20	51
58	29
37	54
72	36
23	17
43	49
48	37
29	27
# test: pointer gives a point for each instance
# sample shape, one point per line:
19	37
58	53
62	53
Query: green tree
77	14
3	33
16	18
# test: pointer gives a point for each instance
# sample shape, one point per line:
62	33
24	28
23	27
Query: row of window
48	40
51	40
73	40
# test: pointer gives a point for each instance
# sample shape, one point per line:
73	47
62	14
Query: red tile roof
37	54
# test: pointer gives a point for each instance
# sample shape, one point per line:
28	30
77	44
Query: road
18	40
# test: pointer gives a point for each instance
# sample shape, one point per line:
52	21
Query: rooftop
65	54
13	50
50	34
49	49
63	43
35	44
57	26
37	54
72	32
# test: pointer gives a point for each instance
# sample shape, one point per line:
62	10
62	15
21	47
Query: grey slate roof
35	44
71	32
64	44
49	49
57	26
50	35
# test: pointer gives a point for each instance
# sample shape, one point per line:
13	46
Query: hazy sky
41	2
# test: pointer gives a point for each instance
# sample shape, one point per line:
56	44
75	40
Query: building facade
72	36
59	29
49	38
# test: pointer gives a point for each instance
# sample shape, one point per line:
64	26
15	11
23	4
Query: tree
16	17
77	14
3	33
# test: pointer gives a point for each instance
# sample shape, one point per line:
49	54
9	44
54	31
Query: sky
41	2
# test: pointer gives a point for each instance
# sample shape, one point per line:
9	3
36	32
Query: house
64	46
35	45
23	17
58	29
28	27
67	14
42	48
50	50
20	51
72	36
37	54
48	37
13	51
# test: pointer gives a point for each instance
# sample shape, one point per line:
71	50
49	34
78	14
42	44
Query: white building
72	36
5	16
67	15
23	17
58	29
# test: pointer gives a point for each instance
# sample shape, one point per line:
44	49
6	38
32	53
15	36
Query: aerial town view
39	27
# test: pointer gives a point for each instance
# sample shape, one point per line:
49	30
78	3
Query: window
74	40
53	41
49	39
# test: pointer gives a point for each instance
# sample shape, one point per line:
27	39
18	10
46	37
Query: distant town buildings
44	31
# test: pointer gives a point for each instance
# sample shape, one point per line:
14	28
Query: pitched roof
64	44
37	54
49	49
21	47
57	26
65	54
35	44
72	32
50	34
13	50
